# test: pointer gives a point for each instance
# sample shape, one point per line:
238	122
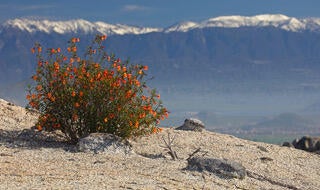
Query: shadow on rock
34	139
223	168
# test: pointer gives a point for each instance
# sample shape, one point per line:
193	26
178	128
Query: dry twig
168	146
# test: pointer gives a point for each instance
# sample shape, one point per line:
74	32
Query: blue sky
155	13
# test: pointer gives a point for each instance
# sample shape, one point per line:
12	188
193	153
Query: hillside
41	162
284	123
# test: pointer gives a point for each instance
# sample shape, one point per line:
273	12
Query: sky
152	13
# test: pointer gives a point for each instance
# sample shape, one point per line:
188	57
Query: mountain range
83	26
228	63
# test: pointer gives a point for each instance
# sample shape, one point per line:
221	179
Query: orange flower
51	97
105	120
33	96
39	49
58	50
33	50
56	65
111	115
34	77
74	40
73	93
140	72
104	37
53	51
154	113
124	69
137	83
39	87
142	115
39	127
71	60
118	68
128	94
76	105
105	73
98	76
145	68
80	93
136	125
96	65
28	97
33	104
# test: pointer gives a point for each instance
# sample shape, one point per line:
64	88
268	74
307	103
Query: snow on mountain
277	20
182	27
240	21
73	26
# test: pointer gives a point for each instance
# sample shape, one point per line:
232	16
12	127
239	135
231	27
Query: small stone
226	168
192	125
104	143
262	148
264	159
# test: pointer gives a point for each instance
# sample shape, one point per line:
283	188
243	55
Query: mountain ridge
235	21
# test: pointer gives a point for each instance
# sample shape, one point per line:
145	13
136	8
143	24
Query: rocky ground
37	160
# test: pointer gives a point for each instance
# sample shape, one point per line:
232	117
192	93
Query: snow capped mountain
74	26
278	20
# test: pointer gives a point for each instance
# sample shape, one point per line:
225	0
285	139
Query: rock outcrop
307	143
223	167
192	125
104	143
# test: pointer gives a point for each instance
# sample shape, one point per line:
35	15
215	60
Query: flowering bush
97	93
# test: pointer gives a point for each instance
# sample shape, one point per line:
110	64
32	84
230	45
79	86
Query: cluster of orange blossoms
82	96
